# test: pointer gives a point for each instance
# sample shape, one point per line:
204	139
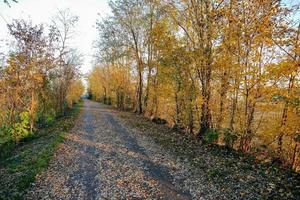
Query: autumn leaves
226	67
40	77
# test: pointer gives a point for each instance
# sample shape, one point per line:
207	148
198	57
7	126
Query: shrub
45	119
109	101
21	128
158	120
49	120
297	138
211	135
5	134
229	138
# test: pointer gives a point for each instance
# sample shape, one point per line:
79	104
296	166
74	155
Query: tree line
224	70
39	77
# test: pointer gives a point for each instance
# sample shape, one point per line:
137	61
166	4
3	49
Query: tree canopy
226	71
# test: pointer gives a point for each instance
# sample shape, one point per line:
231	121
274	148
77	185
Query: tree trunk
233	110
146	98
223	91
284	115
206	69
139	108
294	155
205	114
32	110
190	114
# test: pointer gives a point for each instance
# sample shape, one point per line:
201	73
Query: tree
29	79
67	58
29	64
130	15
227	68
8	2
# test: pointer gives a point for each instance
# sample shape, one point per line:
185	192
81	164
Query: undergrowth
20	163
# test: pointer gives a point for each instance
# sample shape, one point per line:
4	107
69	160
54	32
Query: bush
297	138
5	134
21	128
49	120
211	136
229	138
108	101
45	120
6	140
158	120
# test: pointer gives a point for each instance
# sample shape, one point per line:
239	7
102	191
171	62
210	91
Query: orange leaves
33	80
222	65
75	91
112	81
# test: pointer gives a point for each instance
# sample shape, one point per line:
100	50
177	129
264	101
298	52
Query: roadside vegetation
39	77
233	172
226	72
20	164
40	82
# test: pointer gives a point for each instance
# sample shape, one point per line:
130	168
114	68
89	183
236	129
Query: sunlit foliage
40	77
227	71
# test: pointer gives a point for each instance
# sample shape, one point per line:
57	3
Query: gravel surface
102	158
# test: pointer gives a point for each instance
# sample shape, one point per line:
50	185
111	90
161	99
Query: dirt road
102	159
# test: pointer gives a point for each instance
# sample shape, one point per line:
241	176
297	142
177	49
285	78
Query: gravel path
101	158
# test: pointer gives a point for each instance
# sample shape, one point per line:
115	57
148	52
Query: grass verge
20	166
232	172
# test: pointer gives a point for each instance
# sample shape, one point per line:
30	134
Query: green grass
19	167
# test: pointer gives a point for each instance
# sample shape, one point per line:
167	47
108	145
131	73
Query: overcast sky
41	11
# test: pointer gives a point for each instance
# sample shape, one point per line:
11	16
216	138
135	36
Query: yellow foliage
75	91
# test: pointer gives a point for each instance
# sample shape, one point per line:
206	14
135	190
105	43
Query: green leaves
5	134
229	138
21	129
211	136
297	138
20	166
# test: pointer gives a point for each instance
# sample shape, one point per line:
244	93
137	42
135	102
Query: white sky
41	11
